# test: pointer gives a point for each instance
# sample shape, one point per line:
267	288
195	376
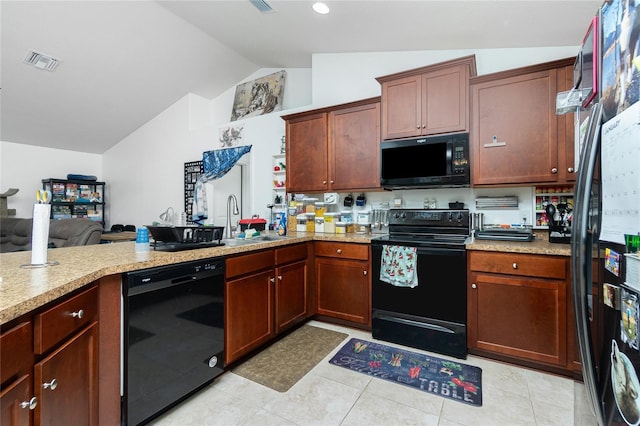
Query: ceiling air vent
41	61
261	5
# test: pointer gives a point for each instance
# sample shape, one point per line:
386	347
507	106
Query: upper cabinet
428	100
516	136
335	148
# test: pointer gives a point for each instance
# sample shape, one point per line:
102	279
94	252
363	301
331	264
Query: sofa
15	233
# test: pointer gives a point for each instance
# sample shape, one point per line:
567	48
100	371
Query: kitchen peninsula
90	277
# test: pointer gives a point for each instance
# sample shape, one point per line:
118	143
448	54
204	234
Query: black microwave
426	162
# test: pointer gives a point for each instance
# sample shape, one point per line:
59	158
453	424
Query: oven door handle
442	251
416	323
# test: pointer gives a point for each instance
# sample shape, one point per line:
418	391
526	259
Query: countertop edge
25	290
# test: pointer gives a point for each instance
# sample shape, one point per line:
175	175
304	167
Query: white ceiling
123	62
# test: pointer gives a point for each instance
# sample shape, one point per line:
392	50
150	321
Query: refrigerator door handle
581	255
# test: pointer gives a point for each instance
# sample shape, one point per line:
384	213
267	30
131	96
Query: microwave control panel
460	163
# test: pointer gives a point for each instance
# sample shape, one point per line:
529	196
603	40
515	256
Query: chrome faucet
231	200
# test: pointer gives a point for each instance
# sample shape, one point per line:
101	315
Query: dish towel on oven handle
399	266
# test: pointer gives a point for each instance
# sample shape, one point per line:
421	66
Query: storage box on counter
256	223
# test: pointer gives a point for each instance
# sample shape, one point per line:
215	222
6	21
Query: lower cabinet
265	294
49	365
16	402
518	307
67	383
343	284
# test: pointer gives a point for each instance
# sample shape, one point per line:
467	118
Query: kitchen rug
449	379
282	364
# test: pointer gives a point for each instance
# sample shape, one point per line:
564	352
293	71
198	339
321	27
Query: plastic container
311	221
142	240
363	228
330	220
321	209
301	222
319	226
341	228
309	205
346	216
364	217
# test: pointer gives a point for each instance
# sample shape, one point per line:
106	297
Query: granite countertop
537	246
24	289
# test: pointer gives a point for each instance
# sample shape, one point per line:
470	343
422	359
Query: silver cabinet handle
570	170
280	277
273	280
554	170
339	251
515	265
324	182
30	404
331	181
78	314
418	126
53	384
474	285
364	272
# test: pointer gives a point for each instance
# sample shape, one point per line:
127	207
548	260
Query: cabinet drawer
247	263
342	250
519	264
291	253
15	351
55	324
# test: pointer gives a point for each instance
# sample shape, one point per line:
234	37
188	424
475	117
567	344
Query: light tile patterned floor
330	395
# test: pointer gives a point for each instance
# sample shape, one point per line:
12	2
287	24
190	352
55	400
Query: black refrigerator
606	217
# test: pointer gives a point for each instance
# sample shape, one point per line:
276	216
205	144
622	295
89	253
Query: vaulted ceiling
123	62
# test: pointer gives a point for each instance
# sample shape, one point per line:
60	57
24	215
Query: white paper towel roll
40	233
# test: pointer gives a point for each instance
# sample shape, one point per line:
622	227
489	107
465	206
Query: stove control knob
459	217
450	217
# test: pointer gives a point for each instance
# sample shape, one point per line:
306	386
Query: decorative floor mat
286	361
449	379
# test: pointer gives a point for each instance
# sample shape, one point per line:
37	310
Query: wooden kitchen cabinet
65	340
516	136
428	100
517	306
50	363
265	293
66	382
291	286
16	361
307	153
343	283
15	402
334	148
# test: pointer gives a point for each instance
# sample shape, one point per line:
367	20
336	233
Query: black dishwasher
173	335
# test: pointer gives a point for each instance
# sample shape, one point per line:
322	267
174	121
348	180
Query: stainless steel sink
234	242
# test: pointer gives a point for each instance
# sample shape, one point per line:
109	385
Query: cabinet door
445	101
248	314
307	166
518	316
343	289
519	112
355	148
566	132
291	295
70	375
12	412
402	107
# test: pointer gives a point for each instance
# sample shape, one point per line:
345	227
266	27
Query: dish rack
186	234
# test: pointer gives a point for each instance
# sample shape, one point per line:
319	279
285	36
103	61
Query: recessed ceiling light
321	8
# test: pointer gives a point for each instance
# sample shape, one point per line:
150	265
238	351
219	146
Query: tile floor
330	395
